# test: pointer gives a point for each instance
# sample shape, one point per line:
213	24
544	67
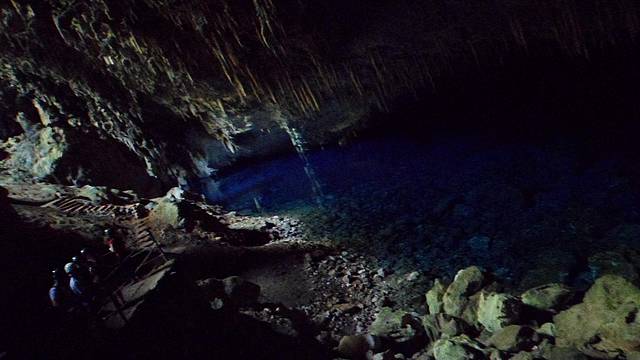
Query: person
83	270
87	256
57	293
78	286
115	243
87	260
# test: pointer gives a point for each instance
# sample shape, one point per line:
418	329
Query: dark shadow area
536	97
174	322
28	254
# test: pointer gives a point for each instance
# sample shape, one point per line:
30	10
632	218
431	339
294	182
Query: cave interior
289	178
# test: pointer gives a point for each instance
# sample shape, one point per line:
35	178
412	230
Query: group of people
76	285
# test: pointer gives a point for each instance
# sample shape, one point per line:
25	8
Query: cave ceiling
177	89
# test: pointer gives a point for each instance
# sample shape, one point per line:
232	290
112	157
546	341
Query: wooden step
146	244
64	201
74	208
69	206
83	208
94	209
143	236
57	201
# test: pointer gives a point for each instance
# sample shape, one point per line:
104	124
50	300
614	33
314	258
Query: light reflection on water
426	205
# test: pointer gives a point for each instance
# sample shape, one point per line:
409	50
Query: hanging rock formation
166	91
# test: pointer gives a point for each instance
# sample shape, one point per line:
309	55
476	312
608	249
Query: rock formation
171	91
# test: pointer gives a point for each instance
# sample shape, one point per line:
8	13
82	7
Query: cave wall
169	90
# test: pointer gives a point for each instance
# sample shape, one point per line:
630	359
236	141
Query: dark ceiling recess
543	93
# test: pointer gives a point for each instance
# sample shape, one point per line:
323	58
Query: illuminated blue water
438	206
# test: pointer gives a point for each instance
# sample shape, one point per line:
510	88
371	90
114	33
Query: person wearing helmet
70	268
115	243
78	286
58	295
82	268
89	262
86	255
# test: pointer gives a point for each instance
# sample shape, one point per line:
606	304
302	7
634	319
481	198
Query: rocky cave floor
345	303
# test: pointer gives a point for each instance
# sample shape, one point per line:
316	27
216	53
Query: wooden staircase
73	205
139	273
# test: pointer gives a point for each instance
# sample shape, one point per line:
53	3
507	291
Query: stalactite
313	101
272	96
354	81
378	72
474	53
294	93
254	83
333	76
575	30
518	34
410	83
240	88
16	7
445	55
221	107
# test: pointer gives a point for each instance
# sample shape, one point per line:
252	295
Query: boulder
470	312
547	329
444	325
560	353
386	322
495	354
466	283
168	212
606	323
355	347
431	327
547	297
497	310
408	340
458	348
434	297
523	355
513	338
634	355
410	337
181	209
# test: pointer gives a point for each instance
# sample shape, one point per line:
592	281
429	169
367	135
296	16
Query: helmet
70	268
108	232
55	273
85	252
75	260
